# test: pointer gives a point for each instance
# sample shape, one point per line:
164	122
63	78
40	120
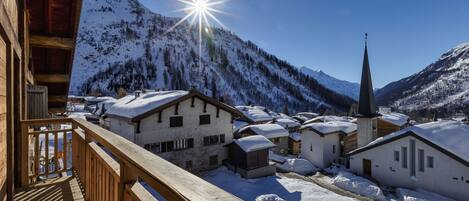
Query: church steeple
366	103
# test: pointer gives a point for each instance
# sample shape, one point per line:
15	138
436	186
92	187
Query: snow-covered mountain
344	87
442	86
123	46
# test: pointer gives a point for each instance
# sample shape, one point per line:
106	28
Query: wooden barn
37	44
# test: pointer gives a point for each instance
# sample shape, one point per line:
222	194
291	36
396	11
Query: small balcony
72	159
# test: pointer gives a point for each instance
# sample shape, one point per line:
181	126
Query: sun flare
200	12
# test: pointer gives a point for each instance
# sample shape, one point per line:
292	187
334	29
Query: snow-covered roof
308	115
254	143
447	134
395	118
102	107
332	127
98	99
237	124
287	123
295	136
131	106
267	130
329	118
255	113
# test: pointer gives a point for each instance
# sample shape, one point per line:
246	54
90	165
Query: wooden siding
350	142
385	128
294	146
3	133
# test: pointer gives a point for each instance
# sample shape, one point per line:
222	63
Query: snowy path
287	188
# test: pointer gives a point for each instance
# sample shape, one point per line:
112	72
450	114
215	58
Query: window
189	164
421	160
430	162
404	157
213	139
311	147
333	149
412	157
153	147
213	160
167	146
222	138
396	156
190	143
204	119
175	121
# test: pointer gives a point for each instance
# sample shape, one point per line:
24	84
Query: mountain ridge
344	87
128	49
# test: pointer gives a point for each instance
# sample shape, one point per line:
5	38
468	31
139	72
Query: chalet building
432	156
294	143
184	127
37	43
255	114
249	156
390	122
274	132
323	143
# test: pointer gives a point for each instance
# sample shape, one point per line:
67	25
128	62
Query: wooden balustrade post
24	153
127	176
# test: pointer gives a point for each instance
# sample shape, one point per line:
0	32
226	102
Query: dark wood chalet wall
385	128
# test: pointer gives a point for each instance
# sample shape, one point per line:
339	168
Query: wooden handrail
110	167
171	181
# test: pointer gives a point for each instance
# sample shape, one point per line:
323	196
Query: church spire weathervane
366	39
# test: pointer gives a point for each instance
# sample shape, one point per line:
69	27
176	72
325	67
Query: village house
390	122
323	143
249	156
294	138
433	156
186	128
274	132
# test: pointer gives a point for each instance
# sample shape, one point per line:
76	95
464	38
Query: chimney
137	93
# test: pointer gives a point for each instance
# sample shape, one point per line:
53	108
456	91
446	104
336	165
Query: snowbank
269	197
359	185
297	165
419	195
284	187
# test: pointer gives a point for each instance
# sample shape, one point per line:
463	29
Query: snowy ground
293	164
267	187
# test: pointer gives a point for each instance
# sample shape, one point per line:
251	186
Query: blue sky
404	35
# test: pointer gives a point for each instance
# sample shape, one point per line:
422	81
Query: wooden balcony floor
63	188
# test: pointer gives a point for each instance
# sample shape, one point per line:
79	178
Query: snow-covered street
284	187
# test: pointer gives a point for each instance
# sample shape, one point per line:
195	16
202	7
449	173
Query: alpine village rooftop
37	43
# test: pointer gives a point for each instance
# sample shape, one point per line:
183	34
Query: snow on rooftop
449	135
395	118
131	106
332	127
295	136
98	99
238	125
255	113
267	130
329	118
254	143
287	123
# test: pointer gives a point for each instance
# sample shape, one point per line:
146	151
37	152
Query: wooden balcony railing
108	166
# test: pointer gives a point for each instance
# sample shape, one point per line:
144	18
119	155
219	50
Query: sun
200	11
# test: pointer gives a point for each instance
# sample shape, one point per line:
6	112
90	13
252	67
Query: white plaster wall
151	132
438	179
365	131
316	156
122	127
328	155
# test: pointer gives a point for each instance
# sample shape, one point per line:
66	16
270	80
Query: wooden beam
52	78
51	42
55	99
